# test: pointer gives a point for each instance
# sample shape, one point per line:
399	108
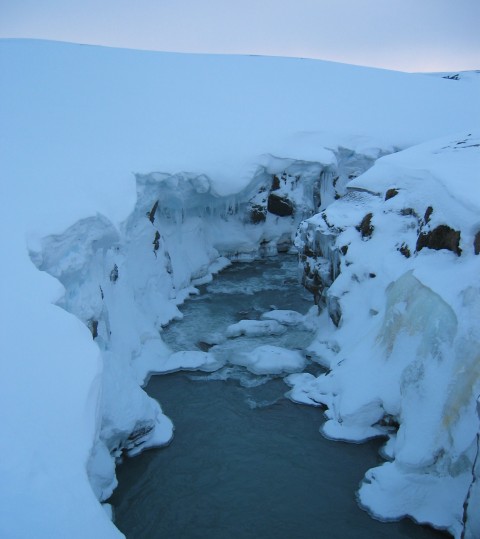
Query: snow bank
402	307
76	122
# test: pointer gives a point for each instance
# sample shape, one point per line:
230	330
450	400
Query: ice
428	498
269	359
285	317
190	360
255	328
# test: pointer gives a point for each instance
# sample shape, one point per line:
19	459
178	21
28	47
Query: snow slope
75	123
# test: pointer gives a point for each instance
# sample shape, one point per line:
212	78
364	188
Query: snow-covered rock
403	307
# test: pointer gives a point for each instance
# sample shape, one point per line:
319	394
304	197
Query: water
245	462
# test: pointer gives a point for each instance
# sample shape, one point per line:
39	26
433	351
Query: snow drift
248	147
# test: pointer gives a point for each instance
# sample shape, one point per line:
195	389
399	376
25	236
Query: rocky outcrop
441	237
365	227
281	206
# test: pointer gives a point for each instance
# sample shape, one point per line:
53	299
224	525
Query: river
245	461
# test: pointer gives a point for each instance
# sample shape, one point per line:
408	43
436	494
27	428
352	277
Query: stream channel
245	462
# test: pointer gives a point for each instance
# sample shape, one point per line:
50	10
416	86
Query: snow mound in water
269	359
190	360
285	317
255	328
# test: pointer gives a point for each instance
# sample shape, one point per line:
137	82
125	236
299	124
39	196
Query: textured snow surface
269	359
75	123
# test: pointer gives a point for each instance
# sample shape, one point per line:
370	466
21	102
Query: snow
82	131
255	328
269	359
285	317
406	345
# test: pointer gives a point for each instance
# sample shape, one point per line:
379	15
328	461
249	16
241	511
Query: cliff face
393	265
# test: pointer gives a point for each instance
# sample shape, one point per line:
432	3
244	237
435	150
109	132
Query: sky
405	35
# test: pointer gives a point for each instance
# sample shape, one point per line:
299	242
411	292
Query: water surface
245	462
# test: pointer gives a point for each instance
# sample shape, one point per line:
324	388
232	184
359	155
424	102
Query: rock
365	227
428	214
442	237
93	327
156	241
275	183
405	250
258	214
408	212
114	274
476	243
281	206
391	193
151	213
334	309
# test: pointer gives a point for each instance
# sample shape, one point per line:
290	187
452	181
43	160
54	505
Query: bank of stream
245	461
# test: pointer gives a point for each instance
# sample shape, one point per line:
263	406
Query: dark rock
365	227
476	243
372	275
428	214
137	436
93	327
114	274
405	250
344	250
389	421
275	183
258	214
156	242
408	212
151	213
334	310
280	206
442	237
391	193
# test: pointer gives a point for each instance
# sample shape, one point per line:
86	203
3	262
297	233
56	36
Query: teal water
245	462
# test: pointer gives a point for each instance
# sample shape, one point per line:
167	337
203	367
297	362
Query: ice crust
77	120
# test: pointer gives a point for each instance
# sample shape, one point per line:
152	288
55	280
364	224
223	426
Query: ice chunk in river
269	359
255	328
285	317
191	360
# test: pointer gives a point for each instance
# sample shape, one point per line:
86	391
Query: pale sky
407	35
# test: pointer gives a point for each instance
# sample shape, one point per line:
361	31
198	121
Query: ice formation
388	247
